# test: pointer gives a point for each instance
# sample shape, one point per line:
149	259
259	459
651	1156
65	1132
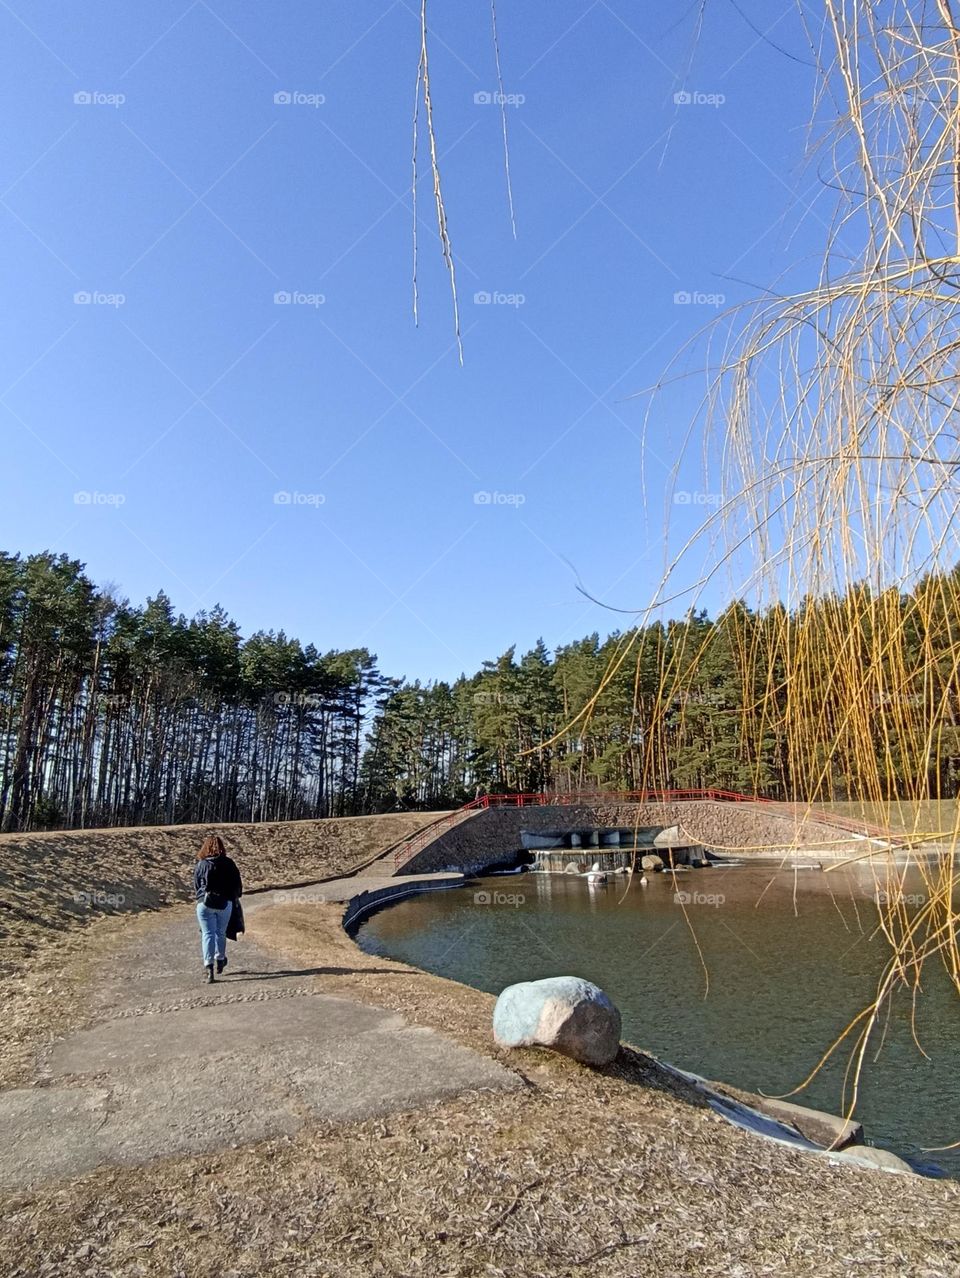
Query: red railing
416	842
615	796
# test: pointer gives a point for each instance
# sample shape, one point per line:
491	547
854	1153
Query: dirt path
167	1065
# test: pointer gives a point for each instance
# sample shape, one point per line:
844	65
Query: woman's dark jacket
217	874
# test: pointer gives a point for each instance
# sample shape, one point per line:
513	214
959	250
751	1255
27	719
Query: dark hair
211	846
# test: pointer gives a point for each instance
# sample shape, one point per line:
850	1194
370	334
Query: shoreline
738	1106
648	1179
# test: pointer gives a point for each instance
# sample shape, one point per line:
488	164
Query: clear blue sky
185	408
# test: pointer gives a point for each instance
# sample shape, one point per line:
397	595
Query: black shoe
210	976
221	964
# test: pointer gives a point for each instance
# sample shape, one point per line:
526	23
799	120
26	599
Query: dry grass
497	1185
902	816
582	1172
44	1001
51	883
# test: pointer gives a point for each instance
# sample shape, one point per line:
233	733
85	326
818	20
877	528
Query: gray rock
822	1129
651	862
869	1156
565	1013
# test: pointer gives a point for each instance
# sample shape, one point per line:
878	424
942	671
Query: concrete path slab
172	1066
336	891
199	1033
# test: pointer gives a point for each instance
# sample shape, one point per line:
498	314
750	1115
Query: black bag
212	898
235	922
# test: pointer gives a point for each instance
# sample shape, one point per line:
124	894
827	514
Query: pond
792	957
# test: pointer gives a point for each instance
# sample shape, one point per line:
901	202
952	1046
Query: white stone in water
564	1013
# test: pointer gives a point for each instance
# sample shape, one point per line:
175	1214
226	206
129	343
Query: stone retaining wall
493	836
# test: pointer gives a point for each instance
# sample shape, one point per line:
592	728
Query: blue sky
149	168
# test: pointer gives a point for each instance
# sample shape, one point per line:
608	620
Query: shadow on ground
244	974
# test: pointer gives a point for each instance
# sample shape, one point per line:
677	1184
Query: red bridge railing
416	842
618	796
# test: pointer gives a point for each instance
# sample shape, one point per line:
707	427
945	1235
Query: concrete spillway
592	837
611	849
558	860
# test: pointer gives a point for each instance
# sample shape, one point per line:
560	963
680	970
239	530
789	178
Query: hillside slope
51	882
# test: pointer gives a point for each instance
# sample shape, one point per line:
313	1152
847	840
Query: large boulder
651	862
563	1012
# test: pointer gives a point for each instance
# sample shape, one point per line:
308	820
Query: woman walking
217	884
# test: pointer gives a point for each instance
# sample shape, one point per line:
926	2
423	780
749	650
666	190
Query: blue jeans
213	932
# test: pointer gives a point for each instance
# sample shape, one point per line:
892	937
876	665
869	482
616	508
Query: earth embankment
742	829
52	882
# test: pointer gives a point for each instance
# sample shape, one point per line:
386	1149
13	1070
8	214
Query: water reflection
790	958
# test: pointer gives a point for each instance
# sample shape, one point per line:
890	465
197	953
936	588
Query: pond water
792	958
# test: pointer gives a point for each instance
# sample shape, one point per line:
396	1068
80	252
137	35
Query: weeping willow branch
424	95
503	116
830	423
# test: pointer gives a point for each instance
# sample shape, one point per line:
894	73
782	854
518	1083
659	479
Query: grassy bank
931	816
51	883
616	1173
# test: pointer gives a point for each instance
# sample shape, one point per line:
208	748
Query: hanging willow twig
501	98
423	92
